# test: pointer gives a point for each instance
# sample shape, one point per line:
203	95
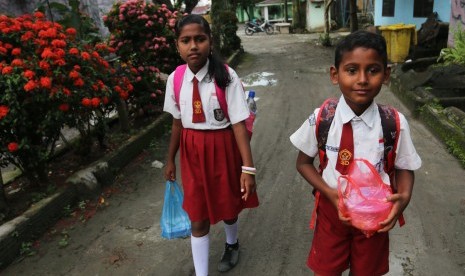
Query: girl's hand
248	185
399	203
170	171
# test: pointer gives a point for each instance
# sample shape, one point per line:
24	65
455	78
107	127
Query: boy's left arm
400	200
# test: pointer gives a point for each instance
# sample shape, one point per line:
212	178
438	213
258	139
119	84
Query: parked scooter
251	28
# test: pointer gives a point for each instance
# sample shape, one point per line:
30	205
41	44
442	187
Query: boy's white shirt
237	104
368	134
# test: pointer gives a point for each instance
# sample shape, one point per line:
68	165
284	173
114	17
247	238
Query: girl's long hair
216	67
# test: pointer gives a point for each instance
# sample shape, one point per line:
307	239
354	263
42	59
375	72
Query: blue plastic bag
174	220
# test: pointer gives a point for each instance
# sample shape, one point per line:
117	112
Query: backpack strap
177	84
177	81
390	122
323	123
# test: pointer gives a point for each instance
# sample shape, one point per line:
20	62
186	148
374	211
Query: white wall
315	16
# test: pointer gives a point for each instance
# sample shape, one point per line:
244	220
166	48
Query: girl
212	147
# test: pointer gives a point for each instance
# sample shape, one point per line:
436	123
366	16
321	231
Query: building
389	12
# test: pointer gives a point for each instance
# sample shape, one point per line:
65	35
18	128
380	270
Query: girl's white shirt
235	98
368	142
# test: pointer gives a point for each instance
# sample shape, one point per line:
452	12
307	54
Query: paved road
123	238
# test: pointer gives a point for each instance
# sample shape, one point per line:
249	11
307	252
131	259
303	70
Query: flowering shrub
48	80
143	36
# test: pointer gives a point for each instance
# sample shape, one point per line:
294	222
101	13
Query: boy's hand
170	171
248	185
334	197
399	203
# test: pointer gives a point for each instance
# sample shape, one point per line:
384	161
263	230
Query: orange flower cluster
44	68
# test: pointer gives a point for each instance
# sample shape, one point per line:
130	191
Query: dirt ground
290	74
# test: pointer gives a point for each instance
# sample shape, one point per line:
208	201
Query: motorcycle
251	28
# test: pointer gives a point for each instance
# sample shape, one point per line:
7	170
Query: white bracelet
250	169
248	172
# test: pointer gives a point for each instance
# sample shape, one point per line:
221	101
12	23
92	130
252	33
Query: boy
360	69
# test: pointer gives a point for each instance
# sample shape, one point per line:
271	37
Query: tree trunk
123	116
216	7
298	15
328	4
353	16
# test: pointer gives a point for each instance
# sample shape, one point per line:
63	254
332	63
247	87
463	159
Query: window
388	7
423	8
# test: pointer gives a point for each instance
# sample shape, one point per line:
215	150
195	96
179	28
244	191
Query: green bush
456	54
143	36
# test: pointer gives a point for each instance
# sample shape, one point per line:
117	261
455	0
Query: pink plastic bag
362	196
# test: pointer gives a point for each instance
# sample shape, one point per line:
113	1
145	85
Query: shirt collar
200	74
347	114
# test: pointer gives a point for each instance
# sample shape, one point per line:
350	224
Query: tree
328	4
298	14
353	16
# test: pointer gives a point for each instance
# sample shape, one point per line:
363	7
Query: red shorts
337	247
210	172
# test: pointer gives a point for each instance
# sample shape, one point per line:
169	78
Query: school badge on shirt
219	114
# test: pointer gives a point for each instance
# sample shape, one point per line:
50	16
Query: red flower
59	43
46	82
7	70
13	146
3	111
16	51
30	85
74	74
77	67
105	100
86	102
95	102
64	107
28	74
27	36
71	31
66	91
85	56
74	51
17	62
44	65
3	50
47	53
39	15
78	82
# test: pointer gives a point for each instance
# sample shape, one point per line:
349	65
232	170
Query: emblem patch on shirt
219	115
312	119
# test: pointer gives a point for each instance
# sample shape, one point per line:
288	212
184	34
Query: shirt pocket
375	155
216	114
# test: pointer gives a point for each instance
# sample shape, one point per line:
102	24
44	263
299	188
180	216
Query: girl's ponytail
218	71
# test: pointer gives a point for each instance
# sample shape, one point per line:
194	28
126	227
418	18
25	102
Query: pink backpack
220	94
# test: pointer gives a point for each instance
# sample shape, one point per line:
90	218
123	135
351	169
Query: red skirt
210	173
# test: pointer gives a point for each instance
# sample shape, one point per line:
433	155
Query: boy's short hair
363	39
